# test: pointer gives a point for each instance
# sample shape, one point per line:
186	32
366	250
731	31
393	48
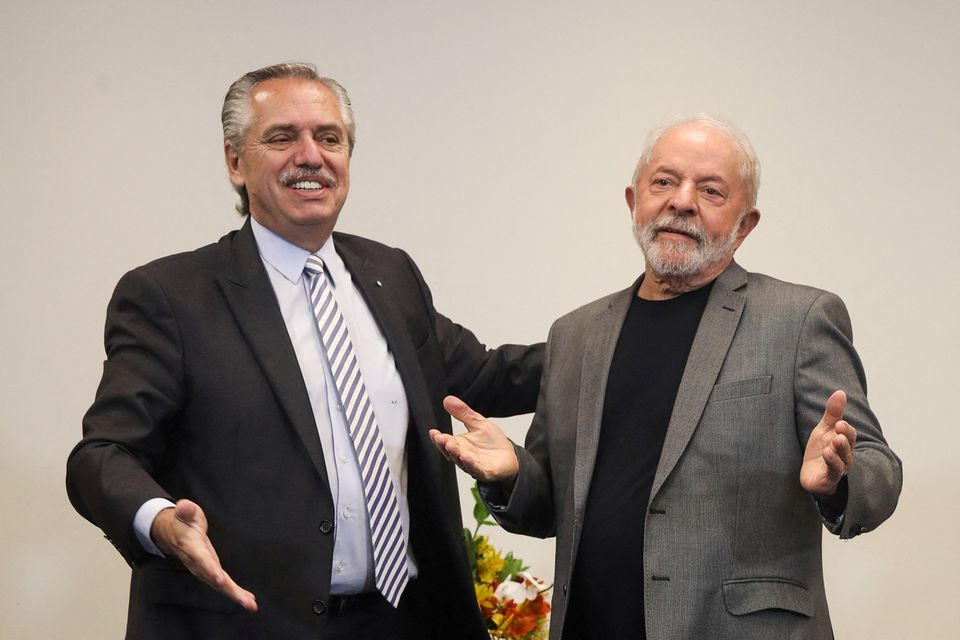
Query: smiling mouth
307	185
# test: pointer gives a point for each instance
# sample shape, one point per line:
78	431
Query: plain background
494	143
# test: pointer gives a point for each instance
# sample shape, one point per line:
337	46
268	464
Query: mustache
682	225
300	174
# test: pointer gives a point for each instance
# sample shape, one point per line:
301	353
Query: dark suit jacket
732	542
202	398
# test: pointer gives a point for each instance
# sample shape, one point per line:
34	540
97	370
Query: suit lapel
378	291
251	299
710	345
598	350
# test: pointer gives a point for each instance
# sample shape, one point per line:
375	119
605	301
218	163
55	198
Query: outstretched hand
182	531
483	451
829	453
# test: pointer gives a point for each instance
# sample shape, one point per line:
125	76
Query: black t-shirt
606	594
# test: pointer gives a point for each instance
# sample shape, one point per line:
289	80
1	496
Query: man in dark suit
222	440
691	437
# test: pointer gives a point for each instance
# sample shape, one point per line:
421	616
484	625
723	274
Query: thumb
834	409
462	412
190	514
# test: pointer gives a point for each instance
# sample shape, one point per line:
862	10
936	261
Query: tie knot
314	266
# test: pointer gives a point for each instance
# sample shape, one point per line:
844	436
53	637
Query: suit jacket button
326	527
319	607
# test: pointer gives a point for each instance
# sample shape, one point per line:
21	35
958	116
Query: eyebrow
290	128
277	128
701	180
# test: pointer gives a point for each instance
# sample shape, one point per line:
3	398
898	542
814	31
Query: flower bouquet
511	600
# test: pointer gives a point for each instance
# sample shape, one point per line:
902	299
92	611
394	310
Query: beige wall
495	139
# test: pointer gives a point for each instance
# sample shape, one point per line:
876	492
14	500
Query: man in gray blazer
694	430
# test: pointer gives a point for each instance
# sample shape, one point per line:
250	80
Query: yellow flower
489	561
484	592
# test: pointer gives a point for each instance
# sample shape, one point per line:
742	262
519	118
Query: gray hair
237	112
747	161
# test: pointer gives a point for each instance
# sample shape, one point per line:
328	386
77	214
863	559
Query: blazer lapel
251	298
380	296
601	342
710	345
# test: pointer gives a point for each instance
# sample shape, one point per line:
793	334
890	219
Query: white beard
678	259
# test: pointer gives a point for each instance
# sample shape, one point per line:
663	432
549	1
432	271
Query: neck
656	286
306	236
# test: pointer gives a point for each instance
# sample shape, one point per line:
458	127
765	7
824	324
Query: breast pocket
741	388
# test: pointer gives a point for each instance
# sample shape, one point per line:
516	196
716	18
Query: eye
713	193
279	139
661	182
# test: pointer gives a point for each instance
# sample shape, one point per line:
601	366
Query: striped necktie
386	529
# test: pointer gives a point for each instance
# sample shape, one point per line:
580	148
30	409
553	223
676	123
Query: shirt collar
289	259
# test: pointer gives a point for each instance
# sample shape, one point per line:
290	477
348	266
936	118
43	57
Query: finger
845	429
834	409
844	449
469	465
462	412
841	446
237	593
446	444
451	449
836	469
199	556
206	567
438	438
193	546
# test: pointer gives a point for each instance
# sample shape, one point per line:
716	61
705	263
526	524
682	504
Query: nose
307	153
684	199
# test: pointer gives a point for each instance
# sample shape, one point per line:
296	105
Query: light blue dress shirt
353	550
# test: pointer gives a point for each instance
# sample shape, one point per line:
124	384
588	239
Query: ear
233	165
631	195
749	222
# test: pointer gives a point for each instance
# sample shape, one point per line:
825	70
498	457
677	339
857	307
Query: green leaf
480	512
511	567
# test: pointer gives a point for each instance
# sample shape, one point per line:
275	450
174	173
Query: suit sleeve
110	473
496	382
529	509
827	361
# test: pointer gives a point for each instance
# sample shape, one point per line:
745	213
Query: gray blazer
732	544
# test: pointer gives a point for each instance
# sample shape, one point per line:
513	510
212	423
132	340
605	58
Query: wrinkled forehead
697	148
293	99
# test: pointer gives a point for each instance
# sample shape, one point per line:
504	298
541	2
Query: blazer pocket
161	584
749	595
741	388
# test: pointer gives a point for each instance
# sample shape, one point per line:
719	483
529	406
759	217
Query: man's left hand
829	453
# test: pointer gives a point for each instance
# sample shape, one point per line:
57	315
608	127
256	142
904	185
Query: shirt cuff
832	509
143	521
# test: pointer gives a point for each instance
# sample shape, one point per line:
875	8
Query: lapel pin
379	284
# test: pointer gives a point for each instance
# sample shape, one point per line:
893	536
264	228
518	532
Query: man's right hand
483	451
182	531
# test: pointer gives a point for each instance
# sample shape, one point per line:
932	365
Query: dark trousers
371	617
